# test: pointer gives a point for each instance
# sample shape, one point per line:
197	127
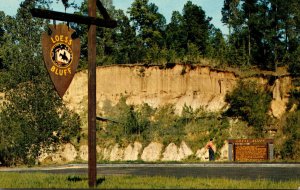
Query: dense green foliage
59	181
144	36
250	102
248	118
266	31
146	124
32	116
291	144
262	33
294	65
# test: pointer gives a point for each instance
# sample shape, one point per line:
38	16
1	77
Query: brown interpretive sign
250	152
61	52
251	149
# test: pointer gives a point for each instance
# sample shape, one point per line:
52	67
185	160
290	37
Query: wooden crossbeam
54	15
106	120
102	10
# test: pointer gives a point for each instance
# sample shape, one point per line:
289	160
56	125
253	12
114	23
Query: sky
212	8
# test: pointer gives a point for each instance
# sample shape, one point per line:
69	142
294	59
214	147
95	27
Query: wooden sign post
92	21
92	158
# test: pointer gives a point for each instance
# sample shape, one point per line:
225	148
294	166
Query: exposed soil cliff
195	86
180	85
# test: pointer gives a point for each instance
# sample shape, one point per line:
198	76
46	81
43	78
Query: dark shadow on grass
100	181
74	178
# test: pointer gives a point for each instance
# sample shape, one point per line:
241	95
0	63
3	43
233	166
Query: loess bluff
195	86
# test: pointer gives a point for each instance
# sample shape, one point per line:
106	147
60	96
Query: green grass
42	180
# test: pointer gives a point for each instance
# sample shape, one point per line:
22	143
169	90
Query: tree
2	39
32	117
294	65
131	121
176	37
148	23
231	14
105	36
217	44
291	130
196	26
188	33
266	29
250	102
127	46
286	16
249	8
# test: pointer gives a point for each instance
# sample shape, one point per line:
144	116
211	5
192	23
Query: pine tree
148	23
196	26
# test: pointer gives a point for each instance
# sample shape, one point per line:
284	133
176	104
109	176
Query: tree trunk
249	41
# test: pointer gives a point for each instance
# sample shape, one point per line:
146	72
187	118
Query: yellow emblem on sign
62	57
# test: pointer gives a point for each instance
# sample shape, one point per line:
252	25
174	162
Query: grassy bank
42	180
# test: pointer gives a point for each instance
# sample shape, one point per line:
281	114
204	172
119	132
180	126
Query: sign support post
92	22
92	166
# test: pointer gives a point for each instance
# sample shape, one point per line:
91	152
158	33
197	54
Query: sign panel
250	141
251	152
61	55
250	149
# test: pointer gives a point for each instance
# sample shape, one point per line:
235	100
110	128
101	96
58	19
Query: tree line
262	33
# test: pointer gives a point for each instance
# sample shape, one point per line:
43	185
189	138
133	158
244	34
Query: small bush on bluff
291	129
250	102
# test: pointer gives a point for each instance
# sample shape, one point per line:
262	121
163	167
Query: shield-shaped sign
61	53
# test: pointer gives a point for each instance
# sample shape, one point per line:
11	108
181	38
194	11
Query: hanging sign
61	53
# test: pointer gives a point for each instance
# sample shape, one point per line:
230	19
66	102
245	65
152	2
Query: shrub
291	130
294	66
130	122
294	99
200	125
32	120
250	102
166	127
143	123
